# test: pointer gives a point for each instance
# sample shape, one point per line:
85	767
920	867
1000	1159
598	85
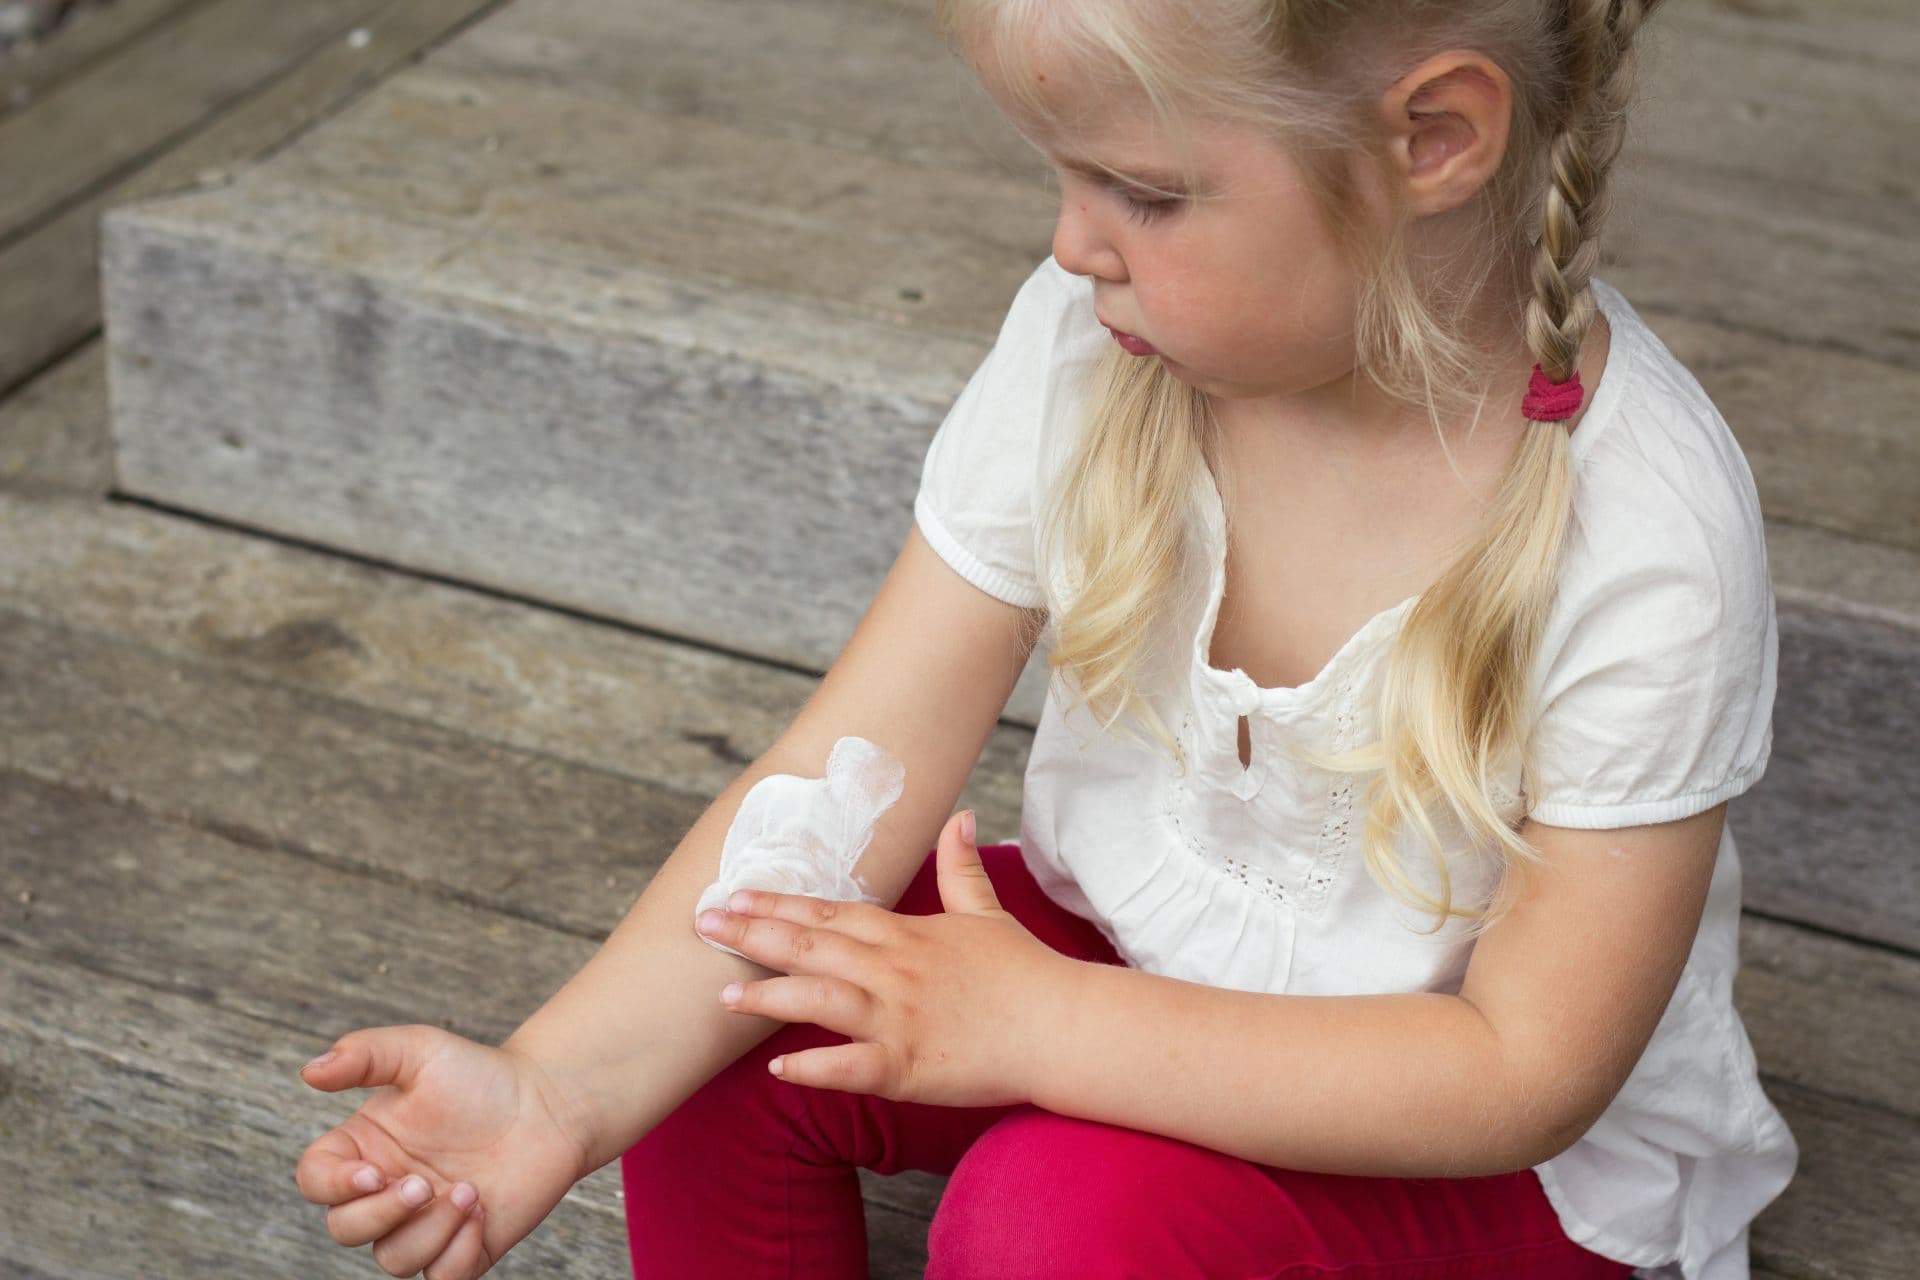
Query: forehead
1087	113
1067	103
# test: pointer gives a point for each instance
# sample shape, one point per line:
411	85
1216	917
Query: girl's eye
1145	210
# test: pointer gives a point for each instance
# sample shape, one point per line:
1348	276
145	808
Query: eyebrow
1140	176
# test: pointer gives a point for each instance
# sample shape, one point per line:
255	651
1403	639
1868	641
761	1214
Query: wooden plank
900	1209
1674	247
95	872
645	708
1852	1211
1826	837
55	434
1716	97
50	276
628	704
1874	32
134	102
566	457
143	1051
1816	569
349	949
1822	430
278	767
540	839
1831	1015
689	194
1819	408
1720	90
147	1133
91	34
112	888
1821	326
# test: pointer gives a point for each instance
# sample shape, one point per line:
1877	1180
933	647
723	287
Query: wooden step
637	309
167	810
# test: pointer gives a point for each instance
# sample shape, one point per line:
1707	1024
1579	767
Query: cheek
1301	311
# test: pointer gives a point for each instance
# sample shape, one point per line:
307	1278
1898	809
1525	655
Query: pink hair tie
1549	401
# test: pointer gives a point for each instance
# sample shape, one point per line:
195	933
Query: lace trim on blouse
1336	828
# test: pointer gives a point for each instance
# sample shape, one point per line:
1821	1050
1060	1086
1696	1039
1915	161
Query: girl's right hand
454	1115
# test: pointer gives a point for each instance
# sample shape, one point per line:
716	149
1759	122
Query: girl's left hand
946	1009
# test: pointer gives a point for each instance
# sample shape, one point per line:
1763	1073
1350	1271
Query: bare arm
640	1027
1560	1000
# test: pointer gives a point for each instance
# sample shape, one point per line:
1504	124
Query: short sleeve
1657	669
986	463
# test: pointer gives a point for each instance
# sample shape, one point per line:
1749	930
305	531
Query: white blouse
1655	682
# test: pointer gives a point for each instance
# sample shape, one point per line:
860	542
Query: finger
963	881
332	1170
862	921
785	946
465	1256
860	1067
833	1003
421	1238
370	1217
371	1057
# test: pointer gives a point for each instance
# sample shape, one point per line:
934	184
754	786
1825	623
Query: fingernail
415	1191
730	993
967	828
321	1061
463	1196
710	921
740	901
369	1179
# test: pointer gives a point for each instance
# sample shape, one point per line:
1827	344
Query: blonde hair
1455	708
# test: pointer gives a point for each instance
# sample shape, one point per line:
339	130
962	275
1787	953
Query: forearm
640	1027
1384	1086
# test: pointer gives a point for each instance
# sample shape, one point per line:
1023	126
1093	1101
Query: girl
1410	627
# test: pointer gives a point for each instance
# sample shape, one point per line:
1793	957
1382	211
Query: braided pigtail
1580	192
1456	698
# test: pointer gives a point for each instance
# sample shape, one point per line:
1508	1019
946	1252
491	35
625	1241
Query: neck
1351	415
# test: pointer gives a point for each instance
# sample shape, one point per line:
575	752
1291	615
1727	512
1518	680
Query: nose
1080	243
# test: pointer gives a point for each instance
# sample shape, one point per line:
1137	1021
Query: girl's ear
1447	122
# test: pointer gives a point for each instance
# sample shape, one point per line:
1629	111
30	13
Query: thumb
370	1057
964	884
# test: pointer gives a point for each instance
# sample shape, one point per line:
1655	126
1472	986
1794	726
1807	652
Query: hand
450	1119
947	1009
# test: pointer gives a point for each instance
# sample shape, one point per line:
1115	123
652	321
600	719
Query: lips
1130	344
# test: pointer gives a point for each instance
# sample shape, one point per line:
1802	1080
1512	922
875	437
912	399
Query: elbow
1546	1103
1547	1121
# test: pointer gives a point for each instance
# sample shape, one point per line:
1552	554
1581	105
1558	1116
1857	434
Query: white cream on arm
805	835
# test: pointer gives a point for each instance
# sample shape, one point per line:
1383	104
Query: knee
1040	1194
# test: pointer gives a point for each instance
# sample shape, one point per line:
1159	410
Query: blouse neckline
1246	694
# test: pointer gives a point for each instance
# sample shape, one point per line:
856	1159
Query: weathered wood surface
86	38
1827	836
428	810
149	1133
134	101
49	274
602	468
55	433
172	772
1823	837
1866	32
351	948
422	335
563	687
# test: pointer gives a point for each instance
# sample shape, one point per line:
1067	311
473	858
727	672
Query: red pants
753	1178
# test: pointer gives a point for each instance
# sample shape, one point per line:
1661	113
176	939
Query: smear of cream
805	835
